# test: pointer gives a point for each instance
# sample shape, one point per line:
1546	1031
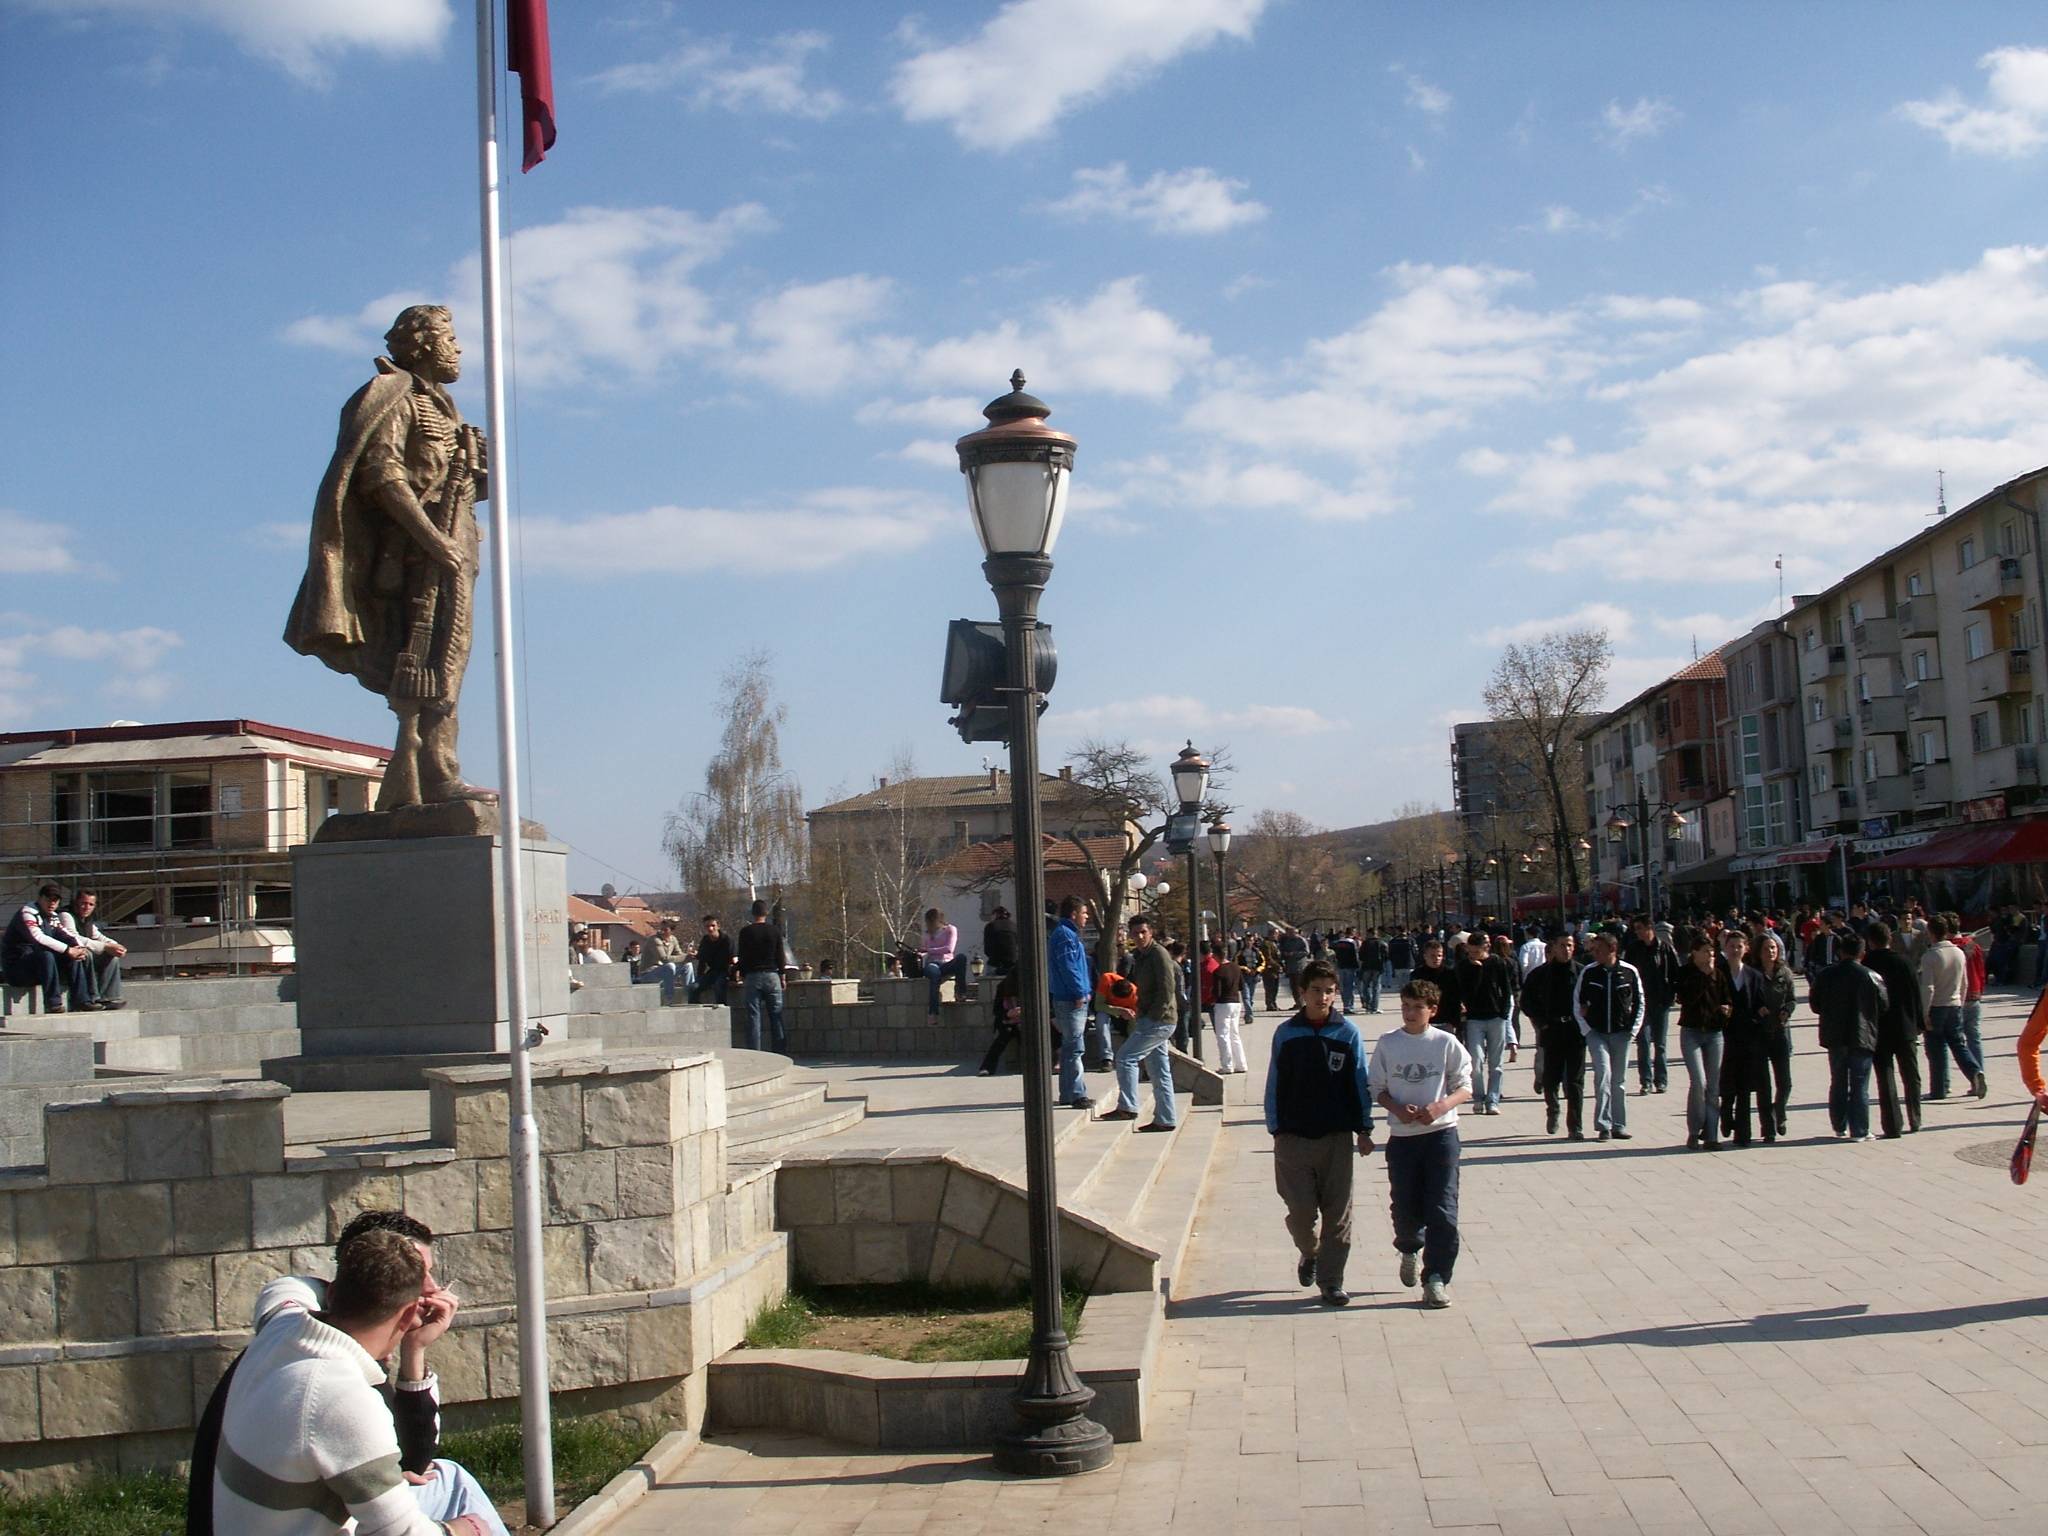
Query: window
1976	641
1856	612
123	810
188	802
1837	633
1980	732
1966	554
1863	687
1817	776
2024	720
273	903
1812	638
1770	680
1752	750
2008	538
1919	666
67	813
1749	679
1753	829
201	902
1913	584
1776	831
1923	752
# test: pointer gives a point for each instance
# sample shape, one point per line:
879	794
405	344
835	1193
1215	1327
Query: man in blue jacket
1318	1104
1068	984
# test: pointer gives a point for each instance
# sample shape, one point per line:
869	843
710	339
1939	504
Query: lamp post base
1060	1448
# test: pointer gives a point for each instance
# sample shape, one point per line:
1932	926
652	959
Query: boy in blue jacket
1318	1104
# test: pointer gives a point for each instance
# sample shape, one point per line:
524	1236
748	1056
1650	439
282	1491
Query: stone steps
198	1051
1165	1217
761	1143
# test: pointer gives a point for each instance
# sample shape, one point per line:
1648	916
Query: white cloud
29	547
1429	99
1634	309
2012	122
958	414
1244	283
25	684
601	291
1618	622
713	74
299	36
1195	201
1112	341
812	532
1036	60
810	338
1644	118
1186	714
1563	219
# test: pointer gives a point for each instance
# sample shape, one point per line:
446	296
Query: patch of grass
150	1504
783	1326
588	1454
996	1324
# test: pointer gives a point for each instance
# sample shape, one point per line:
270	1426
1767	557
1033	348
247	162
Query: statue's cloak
336	615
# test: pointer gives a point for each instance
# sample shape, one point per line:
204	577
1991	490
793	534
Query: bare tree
1284	863
1548	691
745	830
1127	794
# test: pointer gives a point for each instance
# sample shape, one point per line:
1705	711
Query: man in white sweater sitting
307	1444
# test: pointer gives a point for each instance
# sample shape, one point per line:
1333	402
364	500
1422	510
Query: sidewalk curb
630	1486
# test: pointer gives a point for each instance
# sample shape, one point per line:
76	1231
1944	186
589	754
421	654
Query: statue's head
422	341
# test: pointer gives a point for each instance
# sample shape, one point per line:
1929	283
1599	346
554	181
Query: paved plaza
1813	1338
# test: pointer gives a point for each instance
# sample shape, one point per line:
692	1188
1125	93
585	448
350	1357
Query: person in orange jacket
2030	1050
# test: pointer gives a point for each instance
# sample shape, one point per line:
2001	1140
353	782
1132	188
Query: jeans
450	1492
1369	987
1945	1038
1487	1040
1849	1091
1070	1015
1422	1173
936	971
1702	1048
1146	1044
1973	1014
38	967
665	973
715	987
1609	1055
1775	1054
764	994
1397	976
1347	985
1650	1066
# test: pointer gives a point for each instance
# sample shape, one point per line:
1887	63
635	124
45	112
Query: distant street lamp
1017	470
1219	845
1190	773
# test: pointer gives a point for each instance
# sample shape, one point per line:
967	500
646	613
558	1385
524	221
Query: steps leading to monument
773	1123
209	1050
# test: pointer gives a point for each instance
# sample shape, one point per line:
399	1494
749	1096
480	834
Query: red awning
1547	901
2000	842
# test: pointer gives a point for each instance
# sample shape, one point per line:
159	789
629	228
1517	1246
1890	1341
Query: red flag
526	55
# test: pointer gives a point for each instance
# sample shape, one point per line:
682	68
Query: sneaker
1411	1268
1335	1296
1663	1087
983	1072
1866	1136
1550	1123
1623	1135
1305	1271
1603	1136
1978	1086
1118	1114
1436	1292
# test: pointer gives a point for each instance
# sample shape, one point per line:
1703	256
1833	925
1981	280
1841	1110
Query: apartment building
1922	677
1661	752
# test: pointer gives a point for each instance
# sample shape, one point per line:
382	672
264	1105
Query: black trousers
1744	1087
1564	1073
1422	1176
1774	1061
1898	1061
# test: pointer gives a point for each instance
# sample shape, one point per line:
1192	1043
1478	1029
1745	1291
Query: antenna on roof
1780	564
1940	494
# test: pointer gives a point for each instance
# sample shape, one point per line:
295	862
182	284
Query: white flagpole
530	1289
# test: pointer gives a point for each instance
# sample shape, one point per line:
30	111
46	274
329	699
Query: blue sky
1387	332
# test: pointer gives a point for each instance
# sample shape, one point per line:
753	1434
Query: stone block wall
916	1213
130	1262
895	1025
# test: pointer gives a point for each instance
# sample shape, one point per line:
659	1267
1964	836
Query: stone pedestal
399	940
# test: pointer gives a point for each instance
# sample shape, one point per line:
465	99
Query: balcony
1999	673
1926	699
1891	795
1920	616
1834	805
1822	661
2007	768
1876	637
1992	583
1933	784
1830	735
1882	716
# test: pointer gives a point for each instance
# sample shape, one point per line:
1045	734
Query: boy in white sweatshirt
307	1444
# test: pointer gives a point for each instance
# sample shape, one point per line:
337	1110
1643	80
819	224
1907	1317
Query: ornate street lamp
1219	845
1017	470
1190	773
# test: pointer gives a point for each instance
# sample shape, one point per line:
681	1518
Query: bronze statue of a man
391	576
